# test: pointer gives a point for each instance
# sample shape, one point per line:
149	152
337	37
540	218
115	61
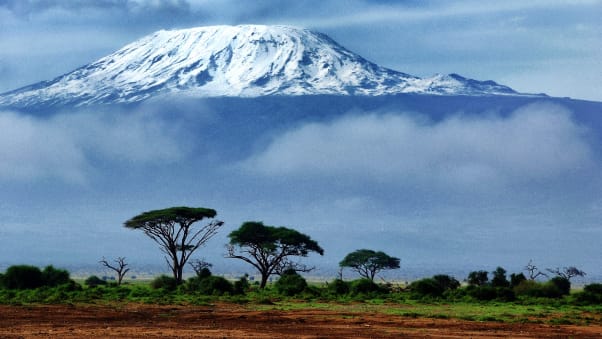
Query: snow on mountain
237	61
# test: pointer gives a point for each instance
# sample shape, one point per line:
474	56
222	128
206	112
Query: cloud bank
536	144
67	146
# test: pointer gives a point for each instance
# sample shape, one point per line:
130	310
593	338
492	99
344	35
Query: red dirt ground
236	321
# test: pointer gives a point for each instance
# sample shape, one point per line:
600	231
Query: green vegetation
271	250
440	296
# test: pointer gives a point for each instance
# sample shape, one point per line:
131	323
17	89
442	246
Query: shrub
593	289
93	281
477	278
211	285
165	282
563	284
505	294
55	277
516	279
21	277
290	283
434	287
534	289
338	287
205	272
483	293
426	287
499	278
241	285
488	292
446	282
591	294
364	286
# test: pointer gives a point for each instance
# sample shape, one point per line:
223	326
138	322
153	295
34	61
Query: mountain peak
245	60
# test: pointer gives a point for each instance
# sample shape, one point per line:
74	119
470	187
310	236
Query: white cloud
535	144
34	148
62	146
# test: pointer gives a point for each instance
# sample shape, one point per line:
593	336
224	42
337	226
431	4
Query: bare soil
237	321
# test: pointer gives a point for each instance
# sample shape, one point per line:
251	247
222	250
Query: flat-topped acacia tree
172	228
268	248
367	263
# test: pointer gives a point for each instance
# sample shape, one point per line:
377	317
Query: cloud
536	144
29	149
65	146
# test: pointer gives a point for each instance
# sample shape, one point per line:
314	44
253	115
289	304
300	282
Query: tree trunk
179	274
264	280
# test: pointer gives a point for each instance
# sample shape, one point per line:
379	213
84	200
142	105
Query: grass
534	310
487	312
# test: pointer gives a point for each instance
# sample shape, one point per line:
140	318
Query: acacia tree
533	271
368	262
567	272
120	267
269	248
172	228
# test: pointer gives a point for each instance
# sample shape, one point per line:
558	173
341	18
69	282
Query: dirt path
235	321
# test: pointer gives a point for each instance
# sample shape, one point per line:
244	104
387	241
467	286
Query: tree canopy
269	248
367	263
172	229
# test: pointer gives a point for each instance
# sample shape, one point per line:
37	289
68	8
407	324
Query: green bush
516	279
433	287
488	293
164	282
241	286
563	284
364	286
427	287
593	289
499	278
338	287
534	289
205	272
290	283
211	285
477	278
55	277
446	282
21	277
591	294
93	281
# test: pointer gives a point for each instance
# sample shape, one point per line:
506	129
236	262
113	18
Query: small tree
499	278
533	271
477	278
367	263
567	272
120	267
516	279
172	229
200	267
269	248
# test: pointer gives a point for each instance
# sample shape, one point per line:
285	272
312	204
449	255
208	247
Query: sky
463	190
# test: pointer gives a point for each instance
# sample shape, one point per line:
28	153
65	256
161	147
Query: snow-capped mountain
235	61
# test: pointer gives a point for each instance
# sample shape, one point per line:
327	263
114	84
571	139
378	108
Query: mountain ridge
236	61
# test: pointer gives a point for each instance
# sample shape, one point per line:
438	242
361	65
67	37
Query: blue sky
465	190
549	46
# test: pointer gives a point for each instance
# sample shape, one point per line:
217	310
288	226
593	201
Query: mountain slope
235	61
